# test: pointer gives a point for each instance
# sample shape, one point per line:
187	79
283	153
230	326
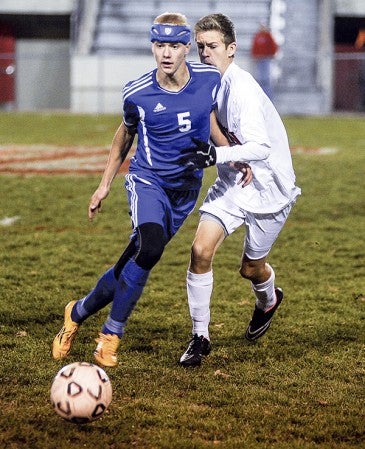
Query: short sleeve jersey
166	121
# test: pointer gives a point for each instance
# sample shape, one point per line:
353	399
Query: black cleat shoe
261	320
198	346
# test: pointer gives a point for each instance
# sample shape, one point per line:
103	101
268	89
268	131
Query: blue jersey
165	123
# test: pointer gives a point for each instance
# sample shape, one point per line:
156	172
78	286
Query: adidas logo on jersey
159	107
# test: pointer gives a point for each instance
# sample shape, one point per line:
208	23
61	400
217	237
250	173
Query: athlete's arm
249	151
120	147
203	154
220	139
216	134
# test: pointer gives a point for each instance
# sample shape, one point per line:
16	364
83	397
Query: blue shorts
150	203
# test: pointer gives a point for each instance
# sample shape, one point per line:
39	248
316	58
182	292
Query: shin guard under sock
199	289
130	286
265	292
99	297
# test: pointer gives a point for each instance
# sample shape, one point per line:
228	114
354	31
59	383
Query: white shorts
261	229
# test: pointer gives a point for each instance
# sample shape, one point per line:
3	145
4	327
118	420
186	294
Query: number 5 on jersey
184	121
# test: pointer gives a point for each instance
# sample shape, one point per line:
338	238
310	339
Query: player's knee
249	270
246	272
201	256
151	245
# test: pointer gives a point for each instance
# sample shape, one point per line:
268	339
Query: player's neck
174	81
223	68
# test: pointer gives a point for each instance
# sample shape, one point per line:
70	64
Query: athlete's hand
203	155
244	168
95	202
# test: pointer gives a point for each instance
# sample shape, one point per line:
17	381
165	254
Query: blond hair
172	18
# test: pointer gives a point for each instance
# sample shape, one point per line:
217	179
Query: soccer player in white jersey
259	138
165	108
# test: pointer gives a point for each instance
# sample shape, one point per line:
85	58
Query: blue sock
130	286
113	327
99	297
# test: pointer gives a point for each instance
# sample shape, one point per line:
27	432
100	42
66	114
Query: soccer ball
81	392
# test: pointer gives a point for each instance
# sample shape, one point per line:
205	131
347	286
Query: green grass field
301	386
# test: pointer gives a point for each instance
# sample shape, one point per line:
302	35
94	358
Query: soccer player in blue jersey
165	108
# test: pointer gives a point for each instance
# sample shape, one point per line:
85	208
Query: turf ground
300	386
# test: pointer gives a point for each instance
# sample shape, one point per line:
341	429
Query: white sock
199	288
265	292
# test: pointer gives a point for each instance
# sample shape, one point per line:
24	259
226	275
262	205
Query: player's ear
231	49
187	48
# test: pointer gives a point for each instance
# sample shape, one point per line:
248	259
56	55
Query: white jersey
255	127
